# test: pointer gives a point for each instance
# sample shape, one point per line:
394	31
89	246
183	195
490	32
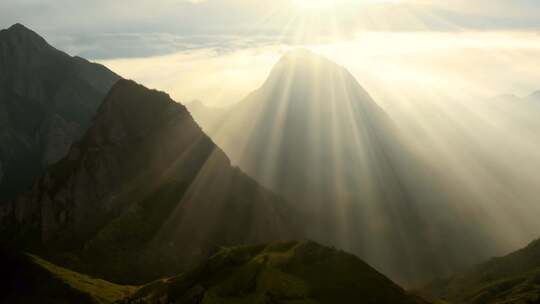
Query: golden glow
307	5
313	4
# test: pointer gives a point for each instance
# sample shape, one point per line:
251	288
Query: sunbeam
403	132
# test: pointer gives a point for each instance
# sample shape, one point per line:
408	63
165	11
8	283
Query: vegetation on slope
29	279
280	272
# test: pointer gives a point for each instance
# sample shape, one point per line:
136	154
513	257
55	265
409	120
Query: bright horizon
218	51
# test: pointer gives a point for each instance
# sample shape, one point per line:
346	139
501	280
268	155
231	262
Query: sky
217	51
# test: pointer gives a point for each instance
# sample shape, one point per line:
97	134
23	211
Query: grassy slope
513	279
291	272
99	290
29	279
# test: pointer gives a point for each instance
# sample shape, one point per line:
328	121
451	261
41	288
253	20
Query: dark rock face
47	101
144	194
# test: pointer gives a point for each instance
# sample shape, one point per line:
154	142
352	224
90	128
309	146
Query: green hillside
281	272
29	279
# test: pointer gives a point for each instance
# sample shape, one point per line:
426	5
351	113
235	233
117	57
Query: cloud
480	64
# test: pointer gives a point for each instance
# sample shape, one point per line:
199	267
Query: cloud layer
117	29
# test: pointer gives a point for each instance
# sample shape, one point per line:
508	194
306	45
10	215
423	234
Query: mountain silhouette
47	101
144	194
312	134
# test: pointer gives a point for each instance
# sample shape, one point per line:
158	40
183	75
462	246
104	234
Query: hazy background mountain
47	100
314	135
512	279
144	194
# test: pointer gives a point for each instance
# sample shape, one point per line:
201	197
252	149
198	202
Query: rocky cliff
47	101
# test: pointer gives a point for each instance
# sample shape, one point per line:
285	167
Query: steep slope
293	272
512	279
314	135
47	100
143	195
30	280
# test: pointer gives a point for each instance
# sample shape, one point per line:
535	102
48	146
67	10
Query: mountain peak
18	27
18	34
305	64
129	96
303	56
136	108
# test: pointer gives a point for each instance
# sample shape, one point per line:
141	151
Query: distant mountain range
512	279
47	101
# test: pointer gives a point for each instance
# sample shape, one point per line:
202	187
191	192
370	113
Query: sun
307	5
313	4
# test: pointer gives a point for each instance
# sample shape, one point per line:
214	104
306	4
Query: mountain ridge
47	101
145	186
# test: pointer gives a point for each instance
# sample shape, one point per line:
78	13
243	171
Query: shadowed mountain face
295	272
144	194
314	135
512	279
47	100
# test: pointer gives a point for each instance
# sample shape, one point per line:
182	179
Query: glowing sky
219	50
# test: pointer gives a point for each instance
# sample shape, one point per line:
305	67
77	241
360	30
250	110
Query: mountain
512	279
47	101
28	279
144	194
312	134
279	272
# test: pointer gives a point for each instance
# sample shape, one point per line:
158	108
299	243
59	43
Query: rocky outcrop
47	101
144	194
